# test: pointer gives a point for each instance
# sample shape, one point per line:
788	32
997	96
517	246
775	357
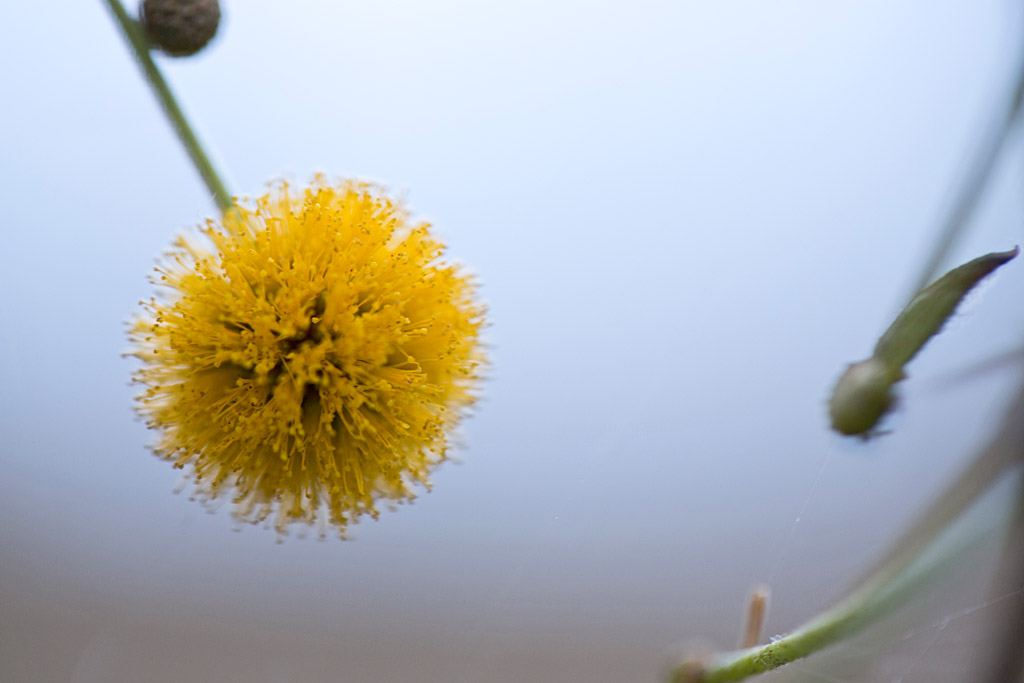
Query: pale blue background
686	216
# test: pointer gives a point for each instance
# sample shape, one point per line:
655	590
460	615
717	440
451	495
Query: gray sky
687	217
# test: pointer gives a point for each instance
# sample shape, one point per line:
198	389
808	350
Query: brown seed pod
180	28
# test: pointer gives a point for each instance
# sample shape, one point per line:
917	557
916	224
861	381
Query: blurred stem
1005	449
860	609
907	566
1008	663
136	38
974	184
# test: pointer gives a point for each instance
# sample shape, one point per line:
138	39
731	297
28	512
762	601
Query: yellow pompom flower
312	357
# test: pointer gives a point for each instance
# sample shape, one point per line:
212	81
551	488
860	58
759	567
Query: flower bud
180	27
862	396
864	392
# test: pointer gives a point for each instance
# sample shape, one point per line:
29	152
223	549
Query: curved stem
842	621
136	38
907	566
1005	449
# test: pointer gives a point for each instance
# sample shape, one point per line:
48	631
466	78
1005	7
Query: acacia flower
311	357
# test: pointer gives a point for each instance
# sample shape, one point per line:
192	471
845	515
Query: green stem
136	37
1003	451
907	566
842	621
973	185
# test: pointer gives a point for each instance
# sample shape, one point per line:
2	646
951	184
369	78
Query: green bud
864	392
862	396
